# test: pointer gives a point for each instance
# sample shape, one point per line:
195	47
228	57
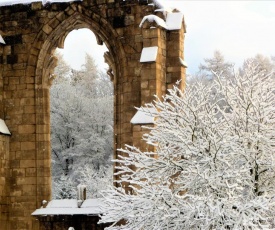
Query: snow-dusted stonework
3	128
30	33
13	2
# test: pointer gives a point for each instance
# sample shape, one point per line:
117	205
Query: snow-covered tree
96	179
81	125
213	167
214	66
264	64
91	81
64	188
62	71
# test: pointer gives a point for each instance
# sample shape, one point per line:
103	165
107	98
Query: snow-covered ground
70	207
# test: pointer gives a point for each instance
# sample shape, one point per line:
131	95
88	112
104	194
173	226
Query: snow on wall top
153	18
3	128
69	207
149	54
89	203
174	21
65	203
162	6
144	117
159	3
2	40
93	205
13	2
183	63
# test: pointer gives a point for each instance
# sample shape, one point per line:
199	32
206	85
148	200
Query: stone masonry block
27	145
26	129
27	163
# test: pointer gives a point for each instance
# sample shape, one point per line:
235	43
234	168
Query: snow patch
183	63
149	54
89	203
159	4
69	207
153	18
162	6
3	128
144	117
174	21
2	40
66	211
66	203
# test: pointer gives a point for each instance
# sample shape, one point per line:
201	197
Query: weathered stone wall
32	33
4	177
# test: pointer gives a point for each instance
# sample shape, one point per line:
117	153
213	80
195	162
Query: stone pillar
43	145
4	180
153	73
175	51
162	73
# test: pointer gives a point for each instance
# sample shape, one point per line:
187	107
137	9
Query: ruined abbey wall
32	33
4	180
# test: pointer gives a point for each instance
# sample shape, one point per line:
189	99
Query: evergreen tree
215	66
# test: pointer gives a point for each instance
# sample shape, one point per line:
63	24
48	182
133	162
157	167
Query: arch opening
44	77
81	118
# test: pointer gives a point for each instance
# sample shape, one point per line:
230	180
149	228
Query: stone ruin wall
32	33
4	177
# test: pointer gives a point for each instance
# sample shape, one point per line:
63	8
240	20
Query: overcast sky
239	29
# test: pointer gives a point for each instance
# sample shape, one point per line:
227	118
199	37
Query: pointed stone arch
46	62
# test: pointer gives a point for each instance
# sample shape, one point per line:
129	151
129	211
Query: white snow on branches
213	166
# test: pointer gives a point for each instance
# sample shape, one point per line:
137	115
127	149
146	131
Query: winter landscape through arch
31	33
81	118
